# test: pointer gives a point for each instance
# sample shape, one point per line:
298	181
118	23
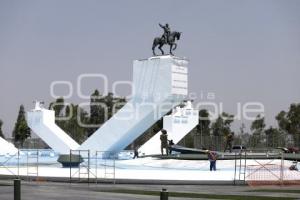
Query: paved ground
66	191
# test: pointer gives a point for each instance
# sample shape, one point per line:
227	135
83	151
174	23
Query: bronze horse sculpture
171	41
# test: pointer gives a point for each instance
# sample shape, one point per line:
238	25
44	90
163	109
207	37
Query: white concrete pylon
7	148
42	122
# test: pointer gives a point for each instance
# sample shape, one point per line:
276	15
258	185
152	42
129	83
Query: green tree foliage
21	131
1	133
244	136
103	108
283	122
204	122
98	110
73	119
257	127
222	124
274	138
74	125
221	128
289	122
58	107
203	129
109	100
113	104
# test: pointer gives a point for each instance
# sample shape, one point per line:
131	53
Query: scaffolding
6	164
267	172
32	161
106	166
83	173
240	165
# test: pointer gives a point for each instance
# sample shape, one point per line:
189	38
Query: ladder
105	165
32	160
84	167
110	166
240	167
83	170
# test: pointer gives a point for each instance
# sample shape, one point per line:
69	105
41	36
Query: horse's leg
154	44
162	51
171	45
153	50
175	46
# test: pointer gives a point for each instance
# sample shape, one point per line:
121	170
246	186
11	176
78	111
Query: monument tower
159	84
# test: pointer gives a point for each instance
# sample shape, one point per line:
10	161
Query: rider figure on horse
167	32
168	38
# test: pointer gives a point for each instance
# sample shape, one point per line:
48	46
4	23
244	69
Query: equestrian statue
168	38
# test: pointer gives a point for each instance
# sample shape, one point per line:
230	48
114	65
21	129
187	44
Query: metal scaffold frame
99	166
32	160
240	165
83	173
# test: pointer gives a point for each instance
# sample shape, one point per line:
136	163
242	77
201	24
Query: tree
274	137
58	106
220	128
109	100
73	117
103	108
244	136
1	133
289	122
283	122
204	122
113	104
222	124
203	128
257	128
70	118
97	111
73	125
21	131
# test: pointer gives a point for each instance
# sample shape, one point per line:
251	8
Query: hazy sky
240	50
